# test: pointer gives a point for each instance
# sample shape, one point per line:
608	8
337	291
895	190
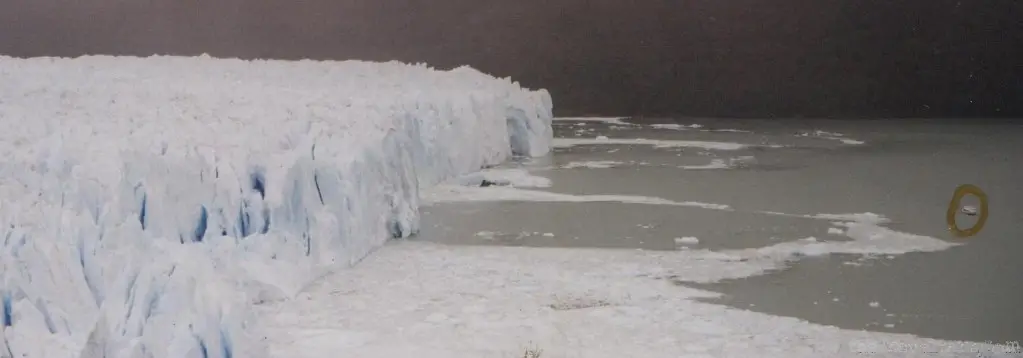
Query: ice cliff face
146	204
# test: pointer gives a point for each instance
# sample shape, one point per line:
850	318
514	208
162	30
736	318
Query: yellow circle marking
953	208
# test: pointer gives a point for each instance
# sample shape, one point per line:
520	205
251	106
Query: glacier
148	204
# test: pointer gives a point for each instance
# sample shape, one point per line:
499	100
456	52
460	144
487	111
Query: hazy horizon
742	58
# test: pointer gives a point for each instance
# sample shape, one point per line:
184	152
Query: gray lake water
907	170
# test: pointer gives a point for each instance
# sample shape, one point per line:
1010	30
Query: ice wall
147	204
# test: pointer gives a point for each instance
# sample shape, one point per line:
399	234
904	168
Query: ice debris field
148	203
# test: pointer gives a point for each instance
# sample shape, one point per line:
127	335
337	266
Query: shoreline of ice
260	175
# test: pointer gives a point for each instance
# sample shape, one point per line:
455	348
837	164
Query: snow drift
146	204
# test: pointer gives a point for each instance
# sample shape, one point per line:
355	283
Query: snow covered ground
147	203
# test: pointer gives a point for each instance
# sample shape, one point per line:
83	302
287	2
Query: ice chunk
714	164
595	164
657	143
514	177
456	193
868	238
607	120
832	136
688	240
675	126
970	210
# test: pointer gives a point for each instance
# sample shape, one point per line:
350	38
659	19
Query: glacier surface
148	203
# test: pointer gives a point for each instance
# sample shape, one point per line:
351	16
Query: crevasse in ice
148	203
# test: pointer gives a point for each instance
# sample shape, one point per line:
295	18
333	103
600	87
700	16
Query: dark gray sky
721	58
